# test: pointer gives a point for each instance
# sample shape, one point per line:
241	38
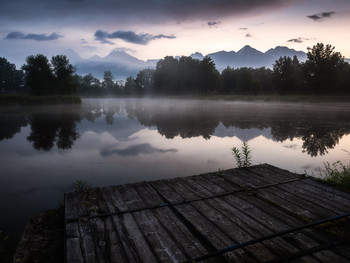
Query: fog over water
44	150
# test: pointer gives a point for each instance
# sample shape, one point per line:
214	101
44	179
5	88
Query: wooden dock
256	214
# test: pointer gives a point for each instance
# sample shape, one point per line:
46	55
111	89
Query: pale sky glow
152	29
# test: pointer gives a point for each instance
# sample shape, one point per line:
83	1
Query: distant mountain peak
248	50
72	55
281	51
121	55
117	51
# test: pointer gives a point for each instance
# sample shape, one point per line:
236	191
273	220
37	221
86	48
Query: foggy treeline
323	73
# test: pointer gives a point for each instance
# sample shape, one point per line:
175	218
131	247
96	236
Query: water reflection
48	129
44	150
320	128
10	124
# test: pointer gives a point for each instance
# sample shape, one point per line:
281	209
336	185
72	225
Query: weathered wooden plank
112	195
162	244
311	239
73	250
167	192
195	220
328	255
87	245
210	232
274	175
292	203
72	235
240	212
121	244
343	250
106	239
213	189
218	179
132	240
70	206
227	224
244	179
253	228
306	193
247	229
269	217
280	221
191	246
324	189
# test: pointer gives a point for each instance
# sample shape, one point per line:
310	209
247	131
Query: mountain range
123	65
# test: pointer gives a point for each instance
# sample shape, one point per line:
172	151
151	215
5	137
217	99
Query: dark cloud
248	35
128	36
135	150
213	23
298	40
83	41
36	37
320	16
243	28
94	12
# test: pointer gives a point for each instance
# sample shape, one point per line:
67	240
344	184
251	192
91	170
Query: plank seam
245	189
281	233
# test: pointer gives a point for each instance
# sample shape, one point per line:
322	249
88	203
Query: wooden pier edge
188	218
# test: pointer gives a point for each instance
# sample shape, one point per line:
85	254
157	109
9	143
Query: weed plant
244	156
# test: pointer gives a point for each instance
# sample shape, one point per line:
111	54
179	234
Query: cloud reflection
135	150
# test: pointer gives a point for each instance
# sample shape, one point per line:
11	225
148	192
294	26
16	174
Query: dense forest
323	73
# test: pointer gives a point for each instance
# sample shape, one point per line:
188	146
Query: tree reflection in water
48	129
319	131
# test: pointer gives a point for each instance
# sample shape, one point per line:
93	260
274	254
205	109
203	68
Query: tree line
324	72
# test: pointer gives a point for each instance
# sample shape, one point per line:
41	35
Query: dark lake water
44	150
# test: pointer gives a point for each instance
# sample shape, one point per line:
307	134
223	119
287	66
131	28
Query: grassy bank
12	100
336	175
250	98
288	98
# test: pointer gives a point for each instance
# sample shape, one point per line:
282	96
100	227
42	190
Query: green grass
336	174
13	100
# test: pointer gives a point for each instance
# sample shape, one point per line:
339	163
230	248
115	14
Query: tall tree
286	75
107	82
38	74
145	81
166	75
209	76
229	78
129	87
11	79
322	68
63	75
245	81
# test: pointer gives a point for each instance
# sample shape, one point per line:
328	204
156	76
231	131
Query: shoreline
25	100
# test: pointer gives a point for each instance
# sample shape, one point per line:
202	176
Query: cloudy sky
156	28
